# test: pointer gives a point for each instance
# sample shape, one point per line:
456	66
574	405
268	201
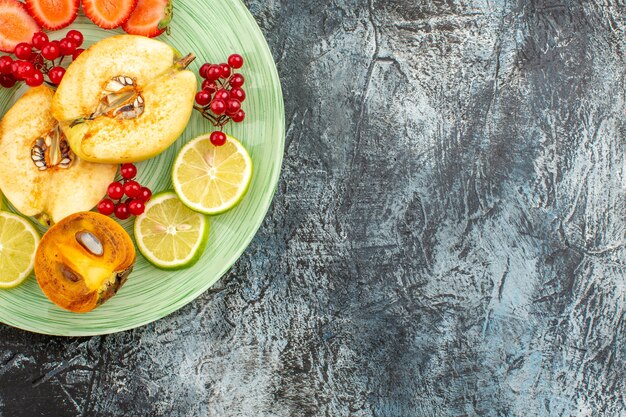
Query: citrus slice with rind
18	245
169	234
212	179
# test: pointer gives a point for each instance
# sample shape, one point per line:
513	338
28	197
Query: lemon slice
18	244
169	234
212	179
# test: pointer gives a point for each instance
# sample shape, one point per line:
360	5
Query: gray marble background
447	238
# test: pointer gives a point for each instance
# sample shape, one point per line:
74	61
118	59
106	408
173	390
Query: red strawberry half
109	14
53	14
16	25
150	18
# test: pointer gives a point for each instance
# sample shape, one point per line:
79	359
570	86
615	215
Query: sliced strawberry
53	14
109	14
150	18
16	25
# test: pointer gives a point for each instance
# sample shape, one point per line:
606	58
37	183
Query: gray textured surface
447	238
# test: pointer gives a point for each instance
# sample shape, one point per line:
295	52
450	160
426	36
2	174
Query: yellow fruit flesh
133	56
92	270
16	248
18	242
75	277
106	139
169	234
56	192
168	92
176	244
210	176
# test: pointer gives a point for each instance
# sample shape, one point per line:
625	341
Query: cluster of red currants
221	96
137	195
36	59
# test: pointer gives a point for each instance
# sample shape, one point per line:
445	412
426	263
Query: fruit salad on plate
71	141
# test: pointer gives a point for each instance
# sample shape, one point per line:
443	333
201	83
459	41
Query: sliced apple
39	174
125	99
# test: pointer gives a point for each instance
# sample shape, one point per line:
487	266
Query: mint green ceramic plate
211	29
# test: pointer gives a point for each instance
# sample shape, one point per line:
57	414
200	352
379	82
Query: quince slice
39	173
125	99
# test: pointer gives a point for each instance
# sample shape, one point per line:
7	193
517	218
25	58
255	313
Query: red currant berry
203	98
225	70
232	106
236	80
56	74
37	60
25	69
39	40
121	211
5	64
76	36
68	46
222	94
238	117
128	171
136	207
209	86
106	207
238	93
214	72
132	188
51	51
115	190
7	80
204	70
23	50
218	106
235	61
77	53
218	138
35	80
145	195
